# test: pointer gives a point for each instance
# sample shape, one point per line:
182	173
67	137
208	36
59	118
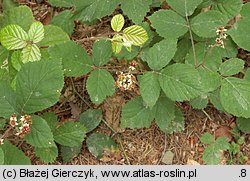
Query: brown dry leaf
224	131
75	110
192	162
112	110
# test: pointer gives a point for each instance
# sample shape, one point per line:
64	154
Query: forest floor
137	146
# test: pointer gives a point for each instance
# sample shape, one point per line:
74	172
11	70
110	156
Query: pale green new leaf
75	61
205	24
39	85
65	21
136	115
47	154
36	32
168	24
232	66
180	82
239	35
101	53
13	155
141	7
235	97
150	88
100	84
31	53
53	35
40	133
97	143
184	7
70	134
21	16
117	44
160	54
117	22
13	37
230	8
135	34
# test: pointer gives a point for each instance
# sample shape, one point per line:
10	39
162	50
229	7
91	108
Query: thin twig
123	150
5	133
207	115
79	95
98	37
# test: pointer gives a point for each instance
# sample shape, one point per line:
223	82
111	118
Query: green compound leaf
13	37
239	35
150	88
91	119
51	120
70	134
235	97
102	52
68	153
141	7
1	156
16	60
100	84
230	8
206	24
183	47
21	16
117	22
36	32
117	44
75	60
2	123
212	154
9	4
160	54
40	133
48	154
164	112
245	10
53	35
167	125
65	21
7	99
31	53
39	85
97	9
180	82
135	34
68	3
214	98
199	102
184	7
9	152
165	21
231	66
243	124
98	143
207	139
136	115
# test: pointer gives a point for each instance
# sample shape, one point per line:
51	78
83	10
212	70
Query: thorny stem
5	133
119	140
192	41
79	95
98	37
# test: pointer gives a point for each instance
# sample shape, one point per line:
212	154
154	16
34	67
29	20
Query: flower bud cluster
221	36
126	81
22	126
